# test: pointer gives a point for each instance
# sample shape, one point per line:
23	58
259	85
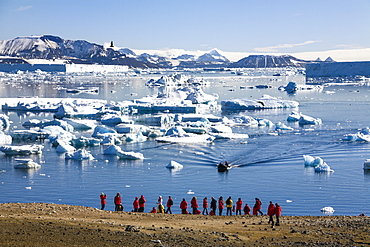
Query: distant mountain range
81	51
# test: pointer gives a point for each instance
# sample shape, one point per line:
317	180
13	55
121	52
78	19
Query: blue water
271	166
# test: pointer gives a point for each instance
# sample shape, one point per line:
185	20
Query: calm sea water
271	166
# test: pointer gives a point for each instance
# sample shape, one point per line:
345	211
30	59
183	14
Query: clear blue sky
285	26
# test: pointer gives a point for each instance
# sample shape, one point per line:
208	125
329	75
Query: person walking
257	207
221	205
169	205
103	200
142	202
213	206
205	206
160	205
184	206
247	209
229	206
271	213
118	202
135	204
194	204
277	213
239	205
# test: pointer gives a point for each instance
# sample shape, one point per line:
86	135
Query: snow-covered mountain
54	47
269	61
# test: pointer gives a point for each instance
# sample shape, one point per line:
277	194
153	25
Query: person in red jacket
205	206
194	204
118	202
169	205
257	207
135	204
247	209
271	213
103	200
239	205
184	206
142	202
277	213
154	210
221	205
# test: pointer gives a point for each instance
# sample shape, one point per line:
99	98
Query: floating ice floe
5	139
80	154
138	137
281	126
303	119
178	135
4	122
113	119
265	102
174	165
79	124
327	210
21	150
29	135
85	142
293	87
318	163
130	155
112	150
101	131
64	147
362	136
26	164
110	139
246	121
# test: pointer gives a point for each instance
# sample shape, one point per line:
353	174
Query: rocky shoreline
41	224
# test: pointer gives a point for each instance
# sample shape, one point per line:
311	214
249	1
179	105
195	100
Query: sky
306	29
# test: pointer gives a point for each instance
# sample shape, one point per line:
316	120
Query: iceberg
100	131
57	122
130	155
29	135
79	124
246	121
361	136
282	126
26	164
4	122
5	139
80	154
316	162
294	116
112	150
22	150
327	210
138	137
110	139
85	142
303	119
64	147
293	87
112	119
174	165
265	102
187	138
33	123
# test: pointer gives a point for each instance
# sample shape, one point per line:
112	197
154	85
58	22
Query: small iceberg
293	87
316	162
112	150
281	126
130	155
265	102
64	147
303	119
327	210
26	164
362	136
174	165
22	150
81	154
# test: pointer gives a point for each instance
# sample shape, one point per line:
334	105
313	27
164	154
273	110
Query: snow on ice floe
80	154
21	150
64	147
5	139
130	155
318	163
174	165
303	119
178	135
327	210
279	126
265	102
26	164
293	87
114	119
361	136
112	150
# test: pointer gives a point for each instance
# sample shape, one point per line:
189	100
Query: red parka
239	204
136	203
169	202
257	205
117	200
221	204
103	198
194	203
183	205
142	202
271	209
205	203
278	210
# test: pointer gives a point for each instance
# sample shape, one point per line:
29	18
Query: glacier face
337	69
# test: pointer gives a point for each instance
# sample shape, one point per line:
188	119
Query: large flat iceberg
265	102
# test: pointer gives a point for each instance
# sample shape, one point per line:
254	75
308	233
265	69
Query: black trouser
229	211
195	210
238	210
277	220
214	210
168	210
183	211
271	219
205	210
102	206
220	211
141	209
136	210
259	211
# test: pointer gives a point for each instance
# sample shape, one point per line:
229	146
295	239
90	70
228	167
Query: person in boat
227	164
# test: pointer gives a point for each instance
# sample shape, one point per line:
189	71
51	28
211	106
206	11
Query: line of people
139	206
